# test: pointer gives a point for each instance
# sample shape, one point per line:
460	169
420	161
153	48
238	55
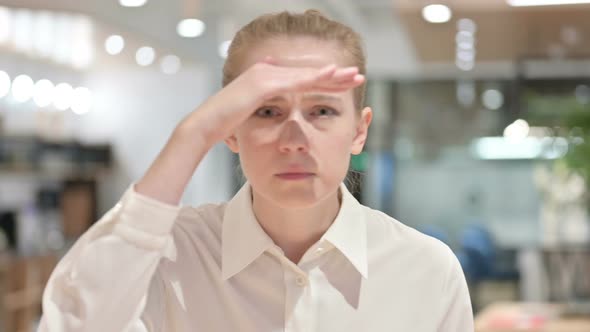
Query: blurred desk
528	317
22	280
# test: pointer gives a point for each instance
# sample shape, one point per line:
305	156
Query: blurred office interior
480	136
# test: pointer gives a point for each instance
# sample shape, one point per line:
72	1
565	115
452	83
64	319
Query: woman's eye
266	112
324	111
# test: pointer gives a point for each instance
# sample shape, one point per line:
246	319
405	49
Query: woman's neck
295	230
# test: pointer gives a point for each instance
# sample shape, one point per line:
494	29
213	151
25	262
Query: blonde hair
285	24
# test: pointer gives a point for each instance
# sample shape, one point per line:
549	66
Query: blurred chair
477	252
478	245
490	273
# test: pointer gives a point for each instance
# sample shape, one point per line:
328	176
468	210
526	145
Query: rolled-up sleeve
102	283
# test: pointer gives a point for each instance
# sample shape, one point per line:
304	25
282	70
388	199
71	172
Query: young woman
293	250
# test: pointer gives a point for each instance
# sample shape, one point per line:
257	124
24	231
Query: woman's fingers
329	78
343	77
342	81
326	72
270	60
344	74
332	78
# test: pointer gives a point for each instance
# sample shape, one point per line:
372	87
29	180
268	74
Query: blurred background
480	137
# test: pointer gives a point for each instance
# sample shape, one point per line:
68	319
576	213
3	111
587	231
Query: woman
293	250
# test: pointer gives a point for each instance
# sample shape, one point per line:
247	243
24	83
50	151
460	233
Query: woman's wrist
197	129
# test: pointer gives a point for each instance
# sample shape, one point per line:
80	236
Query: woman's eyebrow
322	97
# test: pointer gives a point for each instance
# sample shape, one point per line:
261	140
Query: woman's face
311	132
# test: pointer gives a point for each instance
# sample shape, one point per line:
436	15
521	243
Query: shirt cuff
147	214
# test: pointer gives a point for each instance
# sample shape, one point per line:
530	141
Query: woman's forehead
297	51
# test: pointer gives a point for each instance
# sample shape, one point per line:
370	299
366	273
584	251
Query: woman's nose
293	136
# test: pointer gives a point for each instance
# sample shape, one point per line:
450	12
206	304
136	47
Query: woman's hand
236	102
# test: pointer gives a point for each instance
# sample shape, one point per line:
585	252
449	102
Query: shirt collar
243	239
348	232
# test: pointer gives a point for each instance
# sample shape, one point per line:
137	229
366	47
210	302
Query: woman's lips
294	176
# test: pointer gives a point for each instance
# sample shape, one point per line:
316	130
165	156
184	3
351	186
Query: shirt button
300	281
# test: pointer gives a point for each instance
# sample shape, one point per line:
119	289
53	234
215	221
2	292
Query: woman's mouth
294	176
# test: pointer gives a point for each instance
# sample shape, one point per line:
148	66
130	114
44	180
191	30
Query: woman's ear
232	143
362	130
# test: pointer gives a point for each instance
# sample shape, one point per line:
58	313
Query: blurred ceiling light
22	32
63	96
81	100
556	150
499	148
527	3
43	33
223	48
466	24
5	24
22	88
464	65
66	38
516	131
436	13
170	64
114	44
43	93
82	51
492	99
132	3
465	44
145	56
465	55
466	93
190	27
583	94
62	48
465	40
4	84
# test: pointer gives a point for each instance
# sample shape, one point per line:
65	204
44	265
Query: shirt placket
300	307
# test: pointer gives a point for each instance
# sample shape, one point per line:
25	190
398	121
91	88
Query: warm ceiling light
132	3
62	96
190	27
436	13
114	44
527	3
145	56
22	88
43	93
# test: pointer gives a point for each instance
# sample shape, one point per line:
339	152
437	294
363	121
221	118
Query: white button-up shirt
150	266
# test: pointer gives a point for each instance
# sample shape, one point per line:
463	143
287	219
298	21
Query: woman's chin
297	196
294	200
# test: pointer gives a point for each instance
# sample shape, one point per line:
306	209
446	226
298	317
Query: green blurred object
578	156
563	112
